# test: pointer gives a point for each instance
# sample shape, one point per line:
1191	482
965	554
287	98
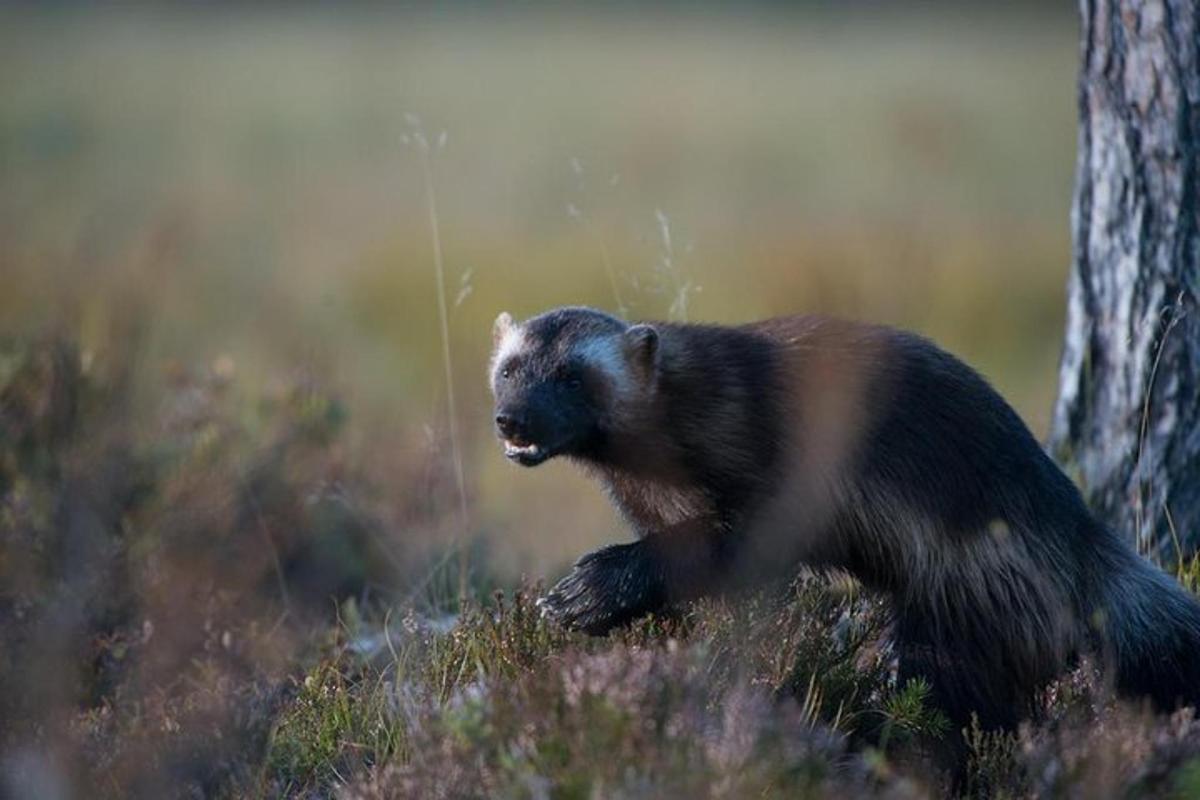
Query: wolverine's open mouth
527	454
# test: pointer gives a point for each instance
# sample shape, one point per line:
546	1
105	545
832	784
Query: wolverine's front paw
605	589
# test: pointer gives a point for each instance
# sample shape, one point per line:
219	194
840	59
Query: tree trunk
1127	420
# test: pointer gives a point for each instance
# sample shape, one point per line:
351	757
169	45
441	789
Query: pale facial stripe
513	343
604	353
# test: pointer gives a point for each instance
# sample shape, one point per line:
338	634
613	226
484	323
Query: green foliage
500	643
1188	573
909	715
335	724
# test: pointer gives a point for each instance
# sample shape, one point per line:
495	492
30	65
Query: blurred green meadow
239	182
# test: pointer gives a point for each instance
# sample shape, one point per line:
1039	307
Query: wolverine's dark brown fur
738	454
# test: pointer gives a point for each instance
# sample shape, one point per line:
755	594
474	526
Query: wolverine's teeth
528	454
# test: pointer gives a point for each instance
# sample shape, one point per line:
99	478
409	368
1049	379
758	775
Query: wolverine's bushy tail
1153	635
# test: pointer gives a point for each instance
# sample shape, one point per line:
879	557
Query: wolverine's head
561	378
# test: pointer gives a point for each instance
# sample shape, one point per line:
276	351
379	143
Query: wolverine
739	454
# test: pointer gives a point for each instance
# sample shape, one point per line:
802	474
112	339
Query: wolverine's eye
506	373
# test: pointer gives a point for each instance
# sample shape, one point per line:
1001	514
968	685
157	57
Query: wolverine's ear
641	343
500	328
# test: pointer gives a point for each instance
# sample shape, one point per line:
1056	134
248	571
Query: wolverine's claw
604	590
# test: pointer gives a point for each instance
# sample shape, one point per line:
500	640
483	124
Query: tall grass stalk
672	280
426	158
622	309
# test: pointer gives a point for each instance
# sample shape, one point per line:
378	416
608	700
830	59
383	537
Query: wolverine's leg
619	583
606	589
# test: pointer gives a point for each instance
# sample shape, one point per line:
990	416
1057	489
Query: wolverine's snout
520	444
511	426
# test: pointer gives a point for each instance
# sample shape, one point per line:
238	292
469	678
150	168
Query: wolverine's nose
510	426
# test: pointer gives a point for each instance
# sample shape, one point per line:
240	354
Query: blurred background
239	180
222	368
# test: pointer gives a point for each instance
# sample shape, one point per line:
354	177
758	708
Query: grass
426	153
504	706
